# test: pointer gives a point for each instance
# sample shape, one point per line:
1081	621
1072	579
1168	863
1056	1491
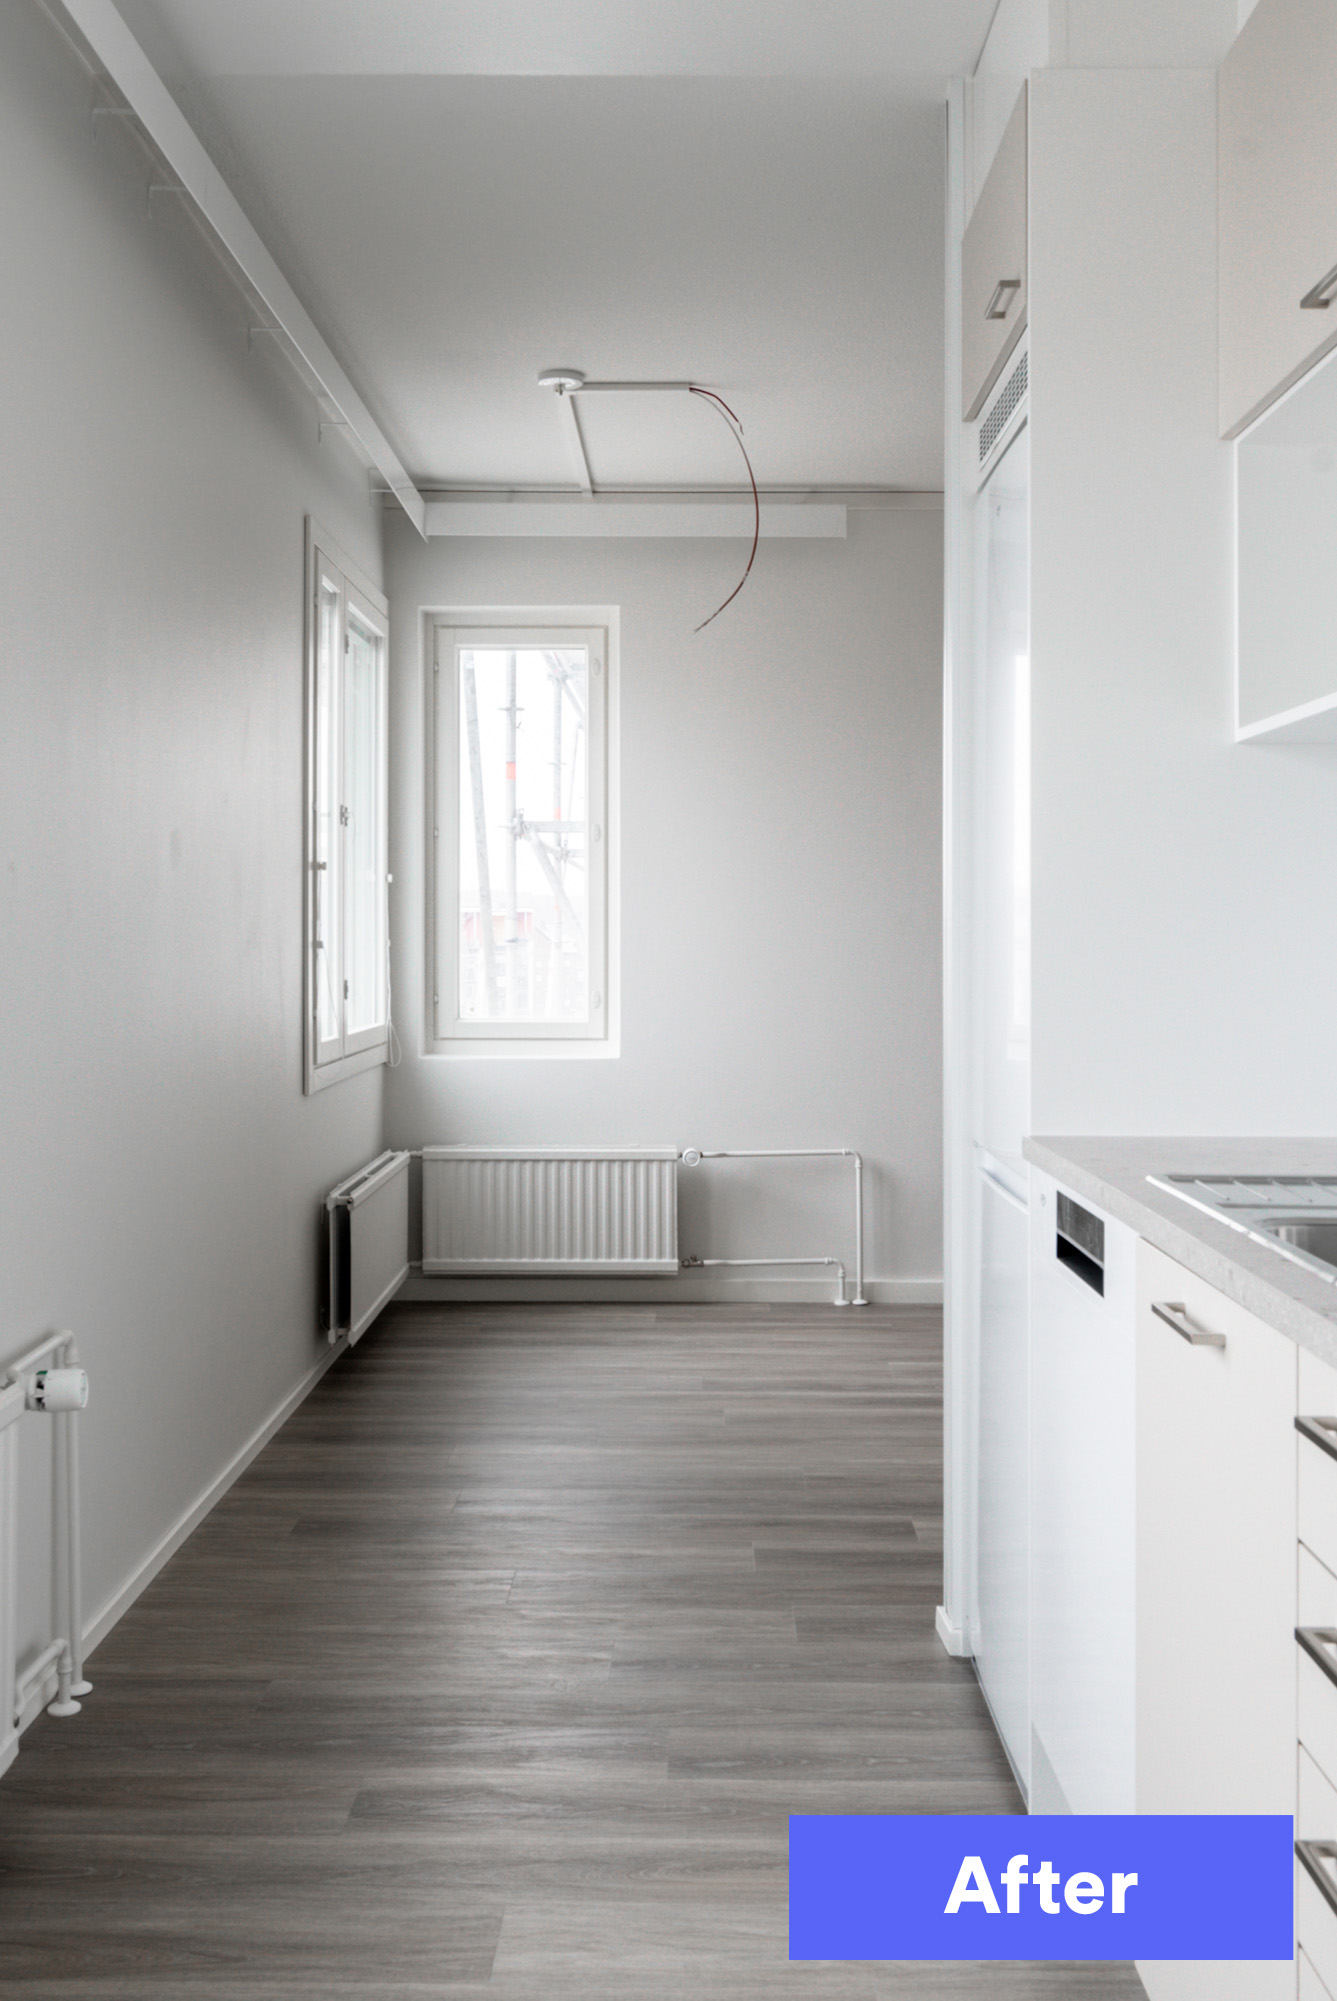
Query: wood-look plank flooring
500	1671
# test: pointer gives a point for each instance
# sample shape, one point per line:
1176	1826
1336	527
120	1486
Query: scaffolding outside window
519	835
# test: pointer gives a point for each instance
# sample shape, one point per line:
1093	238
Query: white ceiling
749	195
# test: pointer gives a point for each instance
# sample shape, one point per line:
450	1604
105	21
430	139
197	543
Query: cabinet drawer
1317	1592
1316	1806
993	269
1316	1926
1317	1498
1317	1705
1317	1699
1216	1544
1311	1987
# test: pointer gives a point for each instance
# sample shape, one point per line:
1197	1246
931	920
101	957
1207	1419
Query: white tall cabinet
988	1612
1074	806
1000	994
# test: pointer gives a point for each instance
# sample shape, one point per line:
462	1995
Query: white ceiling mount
566	381
571	382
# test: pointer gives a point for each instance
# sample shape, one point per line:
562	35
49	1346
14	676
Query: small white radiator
511	1210
367	1232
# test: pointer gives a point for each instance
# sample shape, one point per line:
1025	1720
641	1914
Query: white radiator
509	1210
11	1410
367	1231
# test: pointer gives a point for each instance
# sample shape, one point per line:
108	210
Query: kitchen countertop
1112	1174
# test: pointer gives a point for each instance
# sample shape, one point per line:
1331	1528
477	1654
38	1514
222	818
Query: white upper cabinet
993	269
1277	112
1286	513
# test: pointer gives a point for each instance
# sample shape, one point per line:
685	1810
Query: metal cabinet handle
1175	1314
1000	305
1314	1854
1320	298
1318	1642
1320	1431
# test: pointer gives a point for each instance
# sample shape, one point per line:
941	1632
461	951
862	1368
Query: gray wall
780	882
161	1164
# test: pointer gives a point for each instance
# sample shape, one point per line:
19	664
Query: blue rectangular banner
1043	1886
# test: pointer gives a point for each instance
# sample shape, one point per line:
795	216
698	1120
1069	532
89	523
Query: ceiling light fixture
572	382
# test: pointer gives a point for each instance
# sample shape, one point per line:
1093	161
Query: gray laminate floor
500	1671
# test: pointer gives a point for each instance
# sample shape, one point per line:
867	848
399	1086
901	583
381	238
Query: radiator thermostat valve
57	1389
691	1156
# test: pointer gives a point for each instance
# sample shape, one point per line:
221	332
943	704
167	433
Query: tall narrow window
520	835
348	998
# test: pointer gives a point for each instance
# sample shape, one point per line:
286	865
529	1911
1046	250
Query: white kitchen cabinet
1286	525
1277	163
993	269
1082	1508
1216	1578
1316	1675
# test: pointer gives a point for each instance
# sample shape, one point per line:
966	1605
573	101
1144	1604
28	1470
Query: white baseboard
165	1548
689	1289
955	1639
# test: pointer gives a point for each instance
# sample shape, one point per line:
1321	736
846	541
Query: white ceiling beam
647	519
129	69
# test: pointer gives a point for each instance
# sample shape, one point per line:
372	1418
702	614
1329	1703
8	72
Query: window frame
446	1034
328	1060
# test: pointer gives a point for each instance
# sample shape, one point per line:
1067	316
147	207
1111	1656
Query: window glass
523	853
364	962
348	974
326	847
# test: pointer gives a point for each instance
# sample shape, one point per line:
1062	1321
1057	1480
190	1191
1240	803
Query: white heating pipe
692	1154
57	1654
69	1651
696	1264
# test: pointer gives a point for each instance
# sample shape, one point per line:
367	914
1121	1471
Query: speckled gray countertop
1112	1173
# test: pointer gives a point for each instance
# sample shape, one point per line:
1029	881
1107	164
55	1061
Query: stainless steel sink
1295	1214
1315	1235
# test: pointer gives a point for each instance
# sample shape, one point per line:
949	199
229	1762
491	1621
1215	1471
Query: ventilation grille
1004	408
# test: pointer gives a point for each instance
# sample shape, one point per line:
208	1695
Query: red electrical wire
737	429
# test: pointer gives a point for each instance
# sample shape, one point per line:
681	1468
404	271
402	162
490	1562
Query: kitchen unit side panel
1082	1514
1002	1640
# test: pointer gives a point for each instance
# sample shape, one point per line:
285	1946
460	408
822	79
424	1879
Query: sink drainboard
1292	1214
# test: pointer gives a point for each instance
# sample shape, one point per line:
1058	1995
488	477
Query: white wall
780	871
1185	934
161	1164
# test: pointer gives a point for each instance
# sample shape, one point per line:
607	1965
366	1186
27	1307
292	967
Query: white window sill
319	1075
586	1050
